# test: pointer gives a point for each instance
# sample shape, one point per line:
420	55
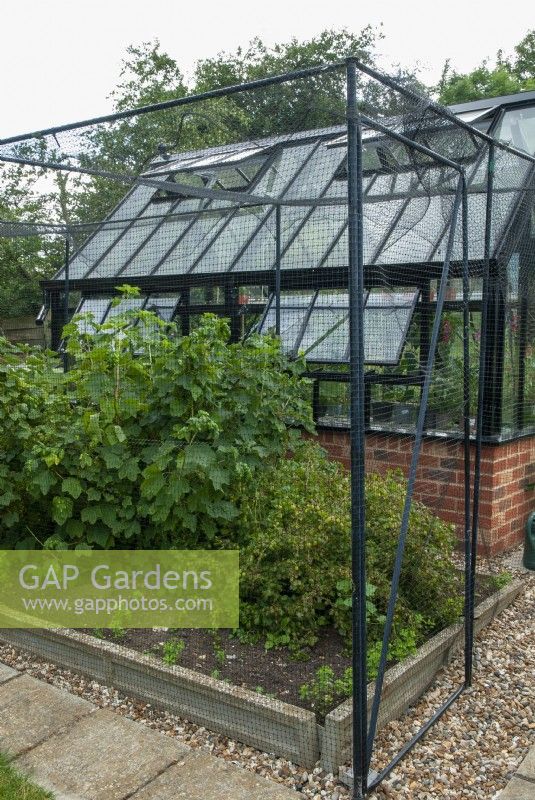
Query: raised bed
268	724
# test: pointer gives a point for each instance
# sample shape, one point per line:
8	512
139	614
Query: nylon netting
130	231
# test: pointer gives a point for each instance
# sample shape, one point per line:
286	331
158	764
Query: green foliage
14	786
165	434
24	260
344	603
294	537
507	76
501	580
294	548
403	643
172	651
219	653
312	103
325	689
261	690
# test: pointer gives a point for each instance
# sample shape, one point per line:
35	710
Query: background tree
24	260
506	76
305	104
150	75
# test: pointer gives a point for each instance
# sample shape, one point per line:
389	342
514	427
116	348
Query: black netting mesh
132	229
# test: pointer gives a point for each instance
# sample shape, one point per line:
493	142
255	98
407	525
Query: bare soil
275	673
220	654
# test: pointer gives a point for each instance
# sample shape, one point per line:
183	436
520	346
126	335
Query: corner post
66	292
278	254
483	361
357	434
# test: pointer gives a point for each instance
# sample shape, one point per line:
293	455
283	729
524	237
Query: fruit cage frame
483	233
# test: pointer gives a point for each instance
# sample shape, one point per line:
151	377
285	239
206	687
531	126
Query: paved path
81	752
522	785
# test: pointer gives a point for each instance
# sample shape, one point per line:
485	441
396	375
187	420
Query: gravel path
470	753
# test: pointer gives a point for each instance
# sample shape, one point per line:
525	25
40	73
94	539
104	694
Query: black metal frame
357	276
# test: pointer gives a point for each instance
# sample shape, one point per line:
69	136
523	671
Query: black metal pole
411	480
522	350
425	320
357	435
66	290
436	108
468	594
56	319
278	251
224	91
481	395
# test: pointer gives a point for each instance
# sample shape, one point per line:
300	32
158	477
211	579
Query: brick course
507	477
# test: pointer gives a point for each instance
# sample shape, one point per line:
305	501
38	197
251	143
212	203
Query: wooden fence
23	330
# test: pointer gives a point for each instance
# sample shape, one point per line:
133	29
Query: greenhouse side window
316	325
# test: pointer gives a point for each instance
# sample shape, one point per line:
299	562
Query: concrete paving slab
518	789
31	711
527	767
201	776
6	673
101	757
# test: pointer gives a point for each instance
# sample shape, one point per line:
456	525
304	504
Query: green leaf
74	528
199	454
219	477
103	511
61	509
44	480
119	433
7	497
72	486
152	485
99	536
111	457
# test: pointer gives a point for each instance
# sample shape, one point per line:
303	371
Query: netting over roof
408	197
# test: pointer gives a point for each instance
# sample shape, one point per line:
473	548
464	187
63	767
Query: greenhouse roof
163	232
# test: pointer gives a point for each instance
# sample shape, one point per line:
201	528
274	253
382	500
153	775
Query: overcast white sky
59	59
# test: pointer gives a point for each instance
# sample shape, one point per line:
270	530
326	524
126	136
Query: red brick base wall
507	480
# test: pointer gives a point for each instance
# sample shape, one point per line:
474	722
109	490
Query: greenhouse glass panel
316	236
115	259
318	326
288	161
326	337
134	203
182	258
227	244
84	260
517	128
417	231
154	249
317	174
163	305
98	307
260	253
126	304
293	310
510	171
385	331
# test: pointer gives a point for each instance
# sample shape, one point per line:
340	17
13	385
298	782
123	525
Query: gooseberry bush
157	440
149	438
295	555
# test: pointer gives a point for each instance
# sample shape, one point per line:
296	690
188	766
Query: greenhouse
190	254
258	232
372	256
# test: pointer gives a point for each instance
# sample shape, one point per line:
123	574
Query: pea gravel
471	752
